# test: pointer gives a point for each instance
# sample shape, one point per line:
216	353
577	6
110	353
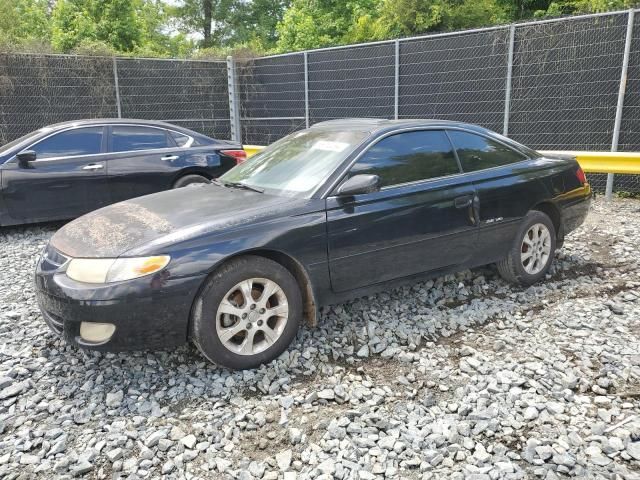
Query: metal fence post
234	104
396	104
117	86
620	105
306	89
507	95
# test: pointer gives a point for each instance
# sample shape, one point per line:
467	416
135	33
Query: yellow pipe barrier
604	162
591	162
252	149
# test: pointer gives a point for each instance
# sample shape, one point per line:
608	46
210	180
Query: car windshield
297	164
8	146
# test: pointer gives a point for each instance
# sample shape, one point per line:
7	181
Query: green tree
319	23
24	21
113	22
255	22
573	7
207	18
311	24
474	14
155	16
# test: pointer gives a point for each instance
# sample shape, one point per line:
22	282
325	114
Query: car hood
165	218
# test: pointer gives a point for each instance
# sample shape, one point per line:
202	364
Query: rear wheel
531	254
248	313
190	180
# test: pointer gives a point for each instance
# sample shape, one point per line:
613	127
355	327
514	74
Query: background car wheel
247	313
190	180
531	254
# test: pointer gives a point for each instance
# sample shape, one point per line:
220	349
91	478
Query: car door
420	220
504	183
67	179
145	159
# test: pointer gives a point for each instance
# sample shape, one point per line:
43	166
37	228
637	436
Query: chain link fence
552	85
38	90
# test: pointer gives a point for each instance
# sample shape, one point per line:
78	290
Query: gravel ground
461	377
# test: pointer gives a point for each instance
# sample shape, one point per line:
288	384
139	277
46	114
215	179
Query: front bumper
148	312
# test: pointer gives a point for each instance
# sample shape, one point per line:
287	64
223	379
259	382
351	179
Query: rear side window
126	139
477	152
409	157
181	139
79	141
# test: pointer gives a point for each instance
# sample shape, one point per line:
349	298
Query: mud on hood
112	231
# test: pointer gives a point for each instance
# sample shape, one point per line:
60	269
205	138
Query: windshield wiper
243	186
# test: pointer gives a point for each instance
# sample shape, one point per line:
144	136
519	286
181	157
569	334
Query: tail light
239	156
582	178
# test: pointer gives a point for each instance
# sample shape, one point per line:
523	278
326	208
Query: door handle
169	158
463	202
93	166
475	204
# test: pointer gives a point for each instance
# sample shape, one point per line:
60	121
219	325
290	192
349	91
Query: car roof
382	126
106	121
376	124
126	121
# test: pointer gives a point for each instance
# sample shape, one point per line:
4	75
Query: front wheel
532	251
247	313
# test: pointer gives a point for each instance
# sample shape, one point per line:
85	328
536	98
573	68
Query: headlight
107	270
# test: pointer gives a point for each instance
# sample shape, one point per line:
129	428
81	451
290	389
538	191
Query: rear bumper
574	213
153	317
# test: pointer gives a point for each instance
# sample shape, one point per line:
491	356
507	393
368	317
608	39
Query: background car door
143	160
67	179
504	186
420	220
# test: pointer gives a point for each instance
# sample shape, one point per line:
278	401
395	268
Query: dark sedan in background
68	169
328	213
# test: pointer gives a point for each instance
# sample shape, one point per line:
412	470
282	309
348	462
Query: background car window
409	157
79	141
477	152
180	139
126	139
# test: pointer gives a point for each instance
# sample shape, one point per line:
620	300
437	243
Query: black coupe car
335	211
66	170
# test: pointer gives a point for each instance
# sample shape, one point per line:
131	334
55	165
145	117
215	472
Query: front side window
131	138
78	141
477	152
409	157
297	164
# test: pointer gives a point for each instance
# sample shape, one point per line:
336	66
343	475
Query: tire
190	180
522	269
269	334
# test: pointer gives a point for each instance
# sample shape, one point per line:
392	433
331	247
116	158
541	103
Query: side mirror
359	184
25	157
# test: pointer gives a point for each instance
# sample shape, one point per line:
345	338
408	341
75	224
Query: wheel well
299	273
190	171
553	213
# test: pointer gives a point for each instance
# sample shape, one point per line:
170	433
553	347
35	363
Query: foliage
213	28
317	23
24	22
225	23
80	21
239	51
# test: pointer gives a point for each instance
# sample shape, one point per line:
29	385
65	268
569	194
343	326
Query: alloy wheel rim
536	249
252	316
